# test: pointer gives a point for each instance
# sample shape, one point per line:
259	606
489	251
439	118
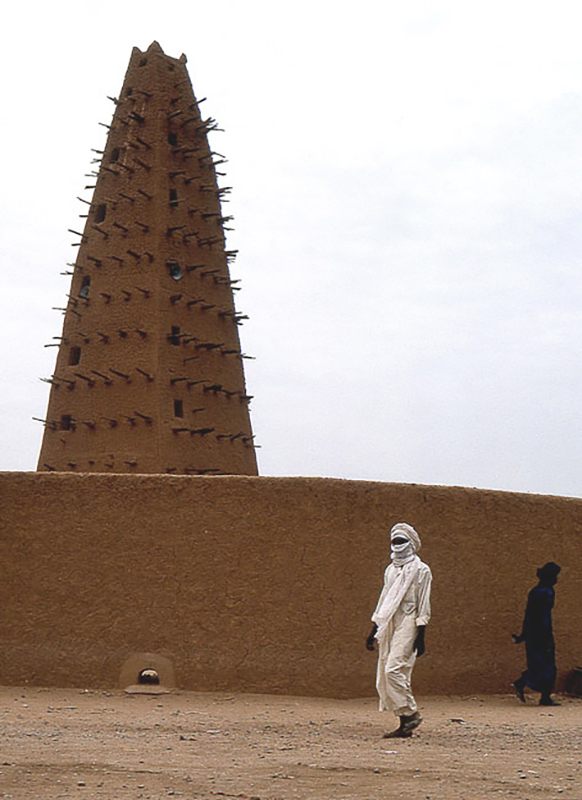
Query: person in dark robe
538	636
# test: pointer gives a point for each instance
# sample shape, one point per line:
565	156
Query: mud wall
266	584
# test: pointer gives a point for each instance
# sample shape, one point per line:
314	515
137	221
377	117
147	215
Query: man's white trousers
396	657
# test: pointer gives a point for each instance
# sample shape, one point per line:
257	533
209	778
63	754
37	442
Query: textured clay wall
266	584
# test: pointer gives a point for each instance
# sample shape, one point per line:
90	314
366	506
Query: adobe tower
149	375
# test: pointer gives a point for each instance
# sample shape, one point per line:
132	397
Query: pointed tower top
155	47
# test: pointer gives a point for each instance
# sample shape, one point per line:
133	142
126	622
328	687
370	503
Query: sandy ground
71	743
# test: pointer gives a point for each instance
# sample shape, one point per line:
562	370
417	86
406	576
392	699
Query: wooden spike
120	374
106	378
143	164
147	375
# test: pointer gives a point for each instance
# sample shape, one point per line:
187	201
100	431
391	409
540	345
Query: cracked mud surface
71	743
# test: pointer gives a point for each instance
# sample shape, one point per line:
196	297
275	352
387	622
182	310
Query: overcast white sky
408	198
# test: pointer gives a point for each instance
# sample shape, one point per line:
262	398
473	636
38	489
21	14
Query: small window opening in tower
129	91
175	335
74	356
149	676
143	62
84	290
178	408
100	212
114	155
175	270
173	139
173	198
66	422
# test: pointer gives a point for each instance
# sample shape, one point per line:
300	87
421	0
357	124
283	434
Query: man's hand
419	641
371	640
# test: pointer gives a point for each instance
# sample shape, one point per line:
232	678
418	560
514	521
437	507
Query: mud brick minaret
149	373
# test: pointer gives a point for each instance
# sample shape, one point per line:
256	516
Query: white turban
407	532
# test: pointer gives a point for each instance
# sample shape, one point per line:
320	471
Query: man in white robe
400	619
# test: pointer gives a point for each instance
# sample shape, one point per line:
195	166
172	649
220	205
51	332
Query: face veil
403	552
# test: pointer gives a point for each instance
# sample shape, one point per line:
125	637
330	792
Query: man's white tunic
403	606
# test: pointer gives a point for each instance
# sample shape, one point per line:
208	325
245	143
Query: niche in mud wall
146	671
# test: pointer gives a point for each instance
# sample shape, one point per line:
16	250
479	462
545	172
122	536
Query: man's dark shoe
518	689
408	724
397	734
547	701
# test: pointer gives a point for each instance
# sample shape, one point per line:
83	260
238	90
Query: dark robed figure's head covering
549	572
